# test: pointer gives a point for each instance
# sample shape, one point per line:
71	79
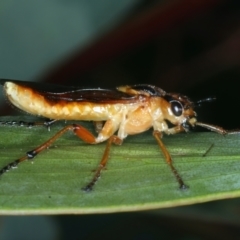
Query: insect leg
80	131
98	125
168	158
47	123
213	128
217	129
113	139
208	150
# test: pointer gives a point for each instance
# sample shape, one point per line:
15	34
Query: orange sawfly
117	113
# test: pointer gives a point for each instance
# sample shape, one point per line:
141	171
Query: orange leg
103	163
80	131
168	158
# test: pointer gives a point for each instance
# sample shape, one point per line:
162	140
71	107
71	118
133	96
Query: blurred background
185	46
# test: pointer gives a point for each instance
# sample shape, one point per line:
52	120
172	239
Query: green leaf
137	176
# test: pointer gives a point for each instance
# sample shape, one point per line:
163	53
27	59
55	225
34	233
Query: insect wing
75	94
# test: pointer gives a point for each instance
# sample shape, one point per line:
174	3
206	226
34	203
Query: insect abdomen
34	103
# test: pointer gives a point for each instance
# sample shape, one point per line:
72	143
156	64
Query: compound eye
176	108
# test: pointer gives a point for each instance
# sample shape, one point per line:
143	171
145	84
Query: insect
117	113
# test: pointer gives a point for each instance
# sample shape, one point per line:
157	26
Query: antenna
209	99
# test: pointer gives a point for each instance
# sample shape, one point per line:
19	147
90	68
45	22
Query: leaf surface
137	176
